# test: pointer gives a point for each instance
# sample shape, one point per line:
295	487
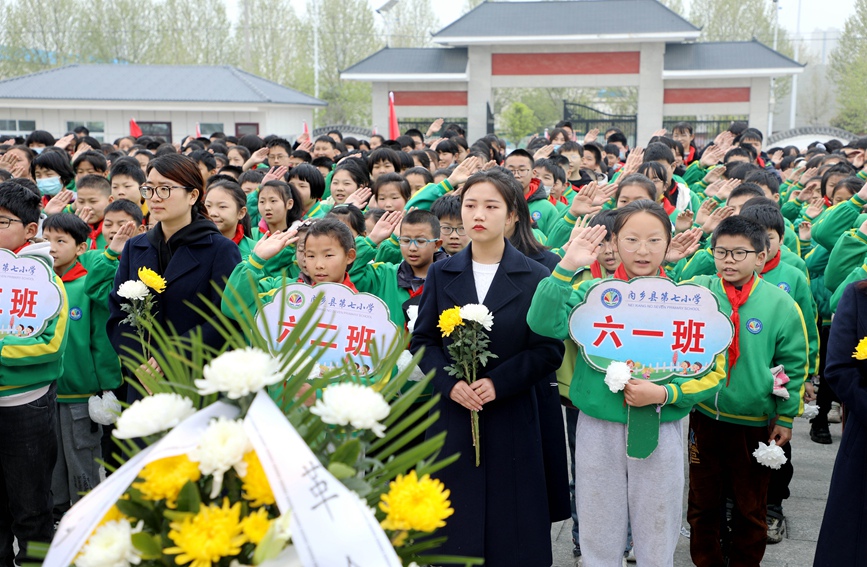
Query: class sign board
660	329
350	323
29	296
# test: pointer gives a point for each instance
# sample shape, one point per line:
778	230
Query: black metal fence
585	118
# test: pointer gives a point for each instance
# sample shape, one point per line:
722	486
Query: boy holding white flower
29	369
725	430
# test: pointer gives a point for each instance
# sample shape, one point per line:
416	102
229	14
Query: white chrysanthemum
770	455
617	375
153	414
478	313
110	546
403	362
222	447
133	289
239	372
353	404
104	410
810	411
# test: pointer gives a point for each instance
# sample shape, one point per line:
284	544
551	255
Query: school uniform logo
295	300
537	215
754	326
75	313
784	286
611	298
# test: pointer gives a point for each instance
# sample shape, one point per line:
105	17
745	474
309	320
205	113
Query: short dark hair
96	159
747	189
641	181
251	176
738	225
39	137
338	132
420	216
422	156
93	181
328	140
323	161
68	223
414	132
764	177
57	162
766	213
282	143
333	228
447	146
752	134
383	154
520	153
424	172
129	167
313	177
205	157
447	206
127	207
618	137
20	201
302	155
392	179
605	218
658	151
406	142
353	215
571	146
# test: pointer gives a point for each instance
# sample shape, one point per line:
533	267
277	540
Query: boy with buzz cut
447	210
94	368
29	369
94	195
329	250
769	331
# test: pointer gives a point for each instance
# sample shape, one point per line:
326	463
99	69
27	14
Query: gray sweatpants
612	490
78	448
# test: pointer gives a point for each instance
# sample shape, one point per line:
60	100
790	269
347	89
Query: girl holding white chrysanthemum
501	506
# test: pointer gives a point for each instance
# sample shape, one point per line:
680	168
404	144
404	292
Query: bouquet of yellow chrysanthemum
466	327
860	350
232	442
140	307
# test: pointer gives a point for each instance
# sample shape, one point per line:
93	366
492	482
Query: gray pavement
804	509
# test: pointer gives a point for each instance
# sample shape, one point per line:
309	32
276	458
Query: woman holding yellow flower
184	255
844	527
501	506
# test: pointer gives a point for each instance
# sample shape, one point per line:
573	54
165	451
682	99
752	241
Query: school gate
586	44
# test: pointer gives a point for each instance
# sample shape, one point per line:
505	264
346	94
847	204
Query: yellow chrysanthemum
256	487
256	525
415	504
163	479
152	279
209	536
112	515
861	350
449	319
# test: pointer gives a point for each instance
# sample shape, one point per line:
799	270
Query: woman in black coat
501	507
843	537
185	247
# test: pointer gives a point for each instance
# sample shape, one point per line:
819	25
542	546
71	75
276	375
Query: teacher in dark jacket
843	537
185	247
501	507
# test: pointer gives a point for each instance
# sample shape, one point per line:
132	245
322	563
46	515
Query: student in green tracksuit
227	207
520	164
93	368
642	234
30	366
840	218
725	430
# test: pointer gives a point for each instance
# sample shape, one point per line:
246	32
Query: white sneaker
835	414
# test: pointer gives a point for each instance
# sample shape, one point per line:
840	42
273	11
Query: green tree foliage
848	69
412	23
518	121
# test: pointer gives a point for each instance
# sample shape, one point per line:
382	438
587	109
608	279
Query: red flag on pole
375	132
305	129
134	130
393	128
198	130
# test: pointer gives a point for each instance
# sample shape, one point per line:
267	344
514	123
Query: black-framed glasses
419	242
6	221
450	229
516	171
162	191
738	254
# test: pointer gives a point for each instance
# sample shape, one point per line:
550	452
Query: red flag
393	128
305	130
375	132
134	130
198	131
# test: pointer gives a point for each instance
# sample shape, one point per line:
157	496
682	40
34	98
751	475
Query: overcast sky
815	14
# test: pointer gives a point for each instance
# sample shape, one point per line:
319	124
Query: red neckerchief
532	188
346	281
760	161
73	273
690	156
17	250
239	235
620	273
95	231
773	263
596	270
415	293
554	200
736	298
669	208
827	201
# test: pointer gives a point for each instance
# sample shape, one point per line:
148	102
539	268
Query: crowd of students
429	221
